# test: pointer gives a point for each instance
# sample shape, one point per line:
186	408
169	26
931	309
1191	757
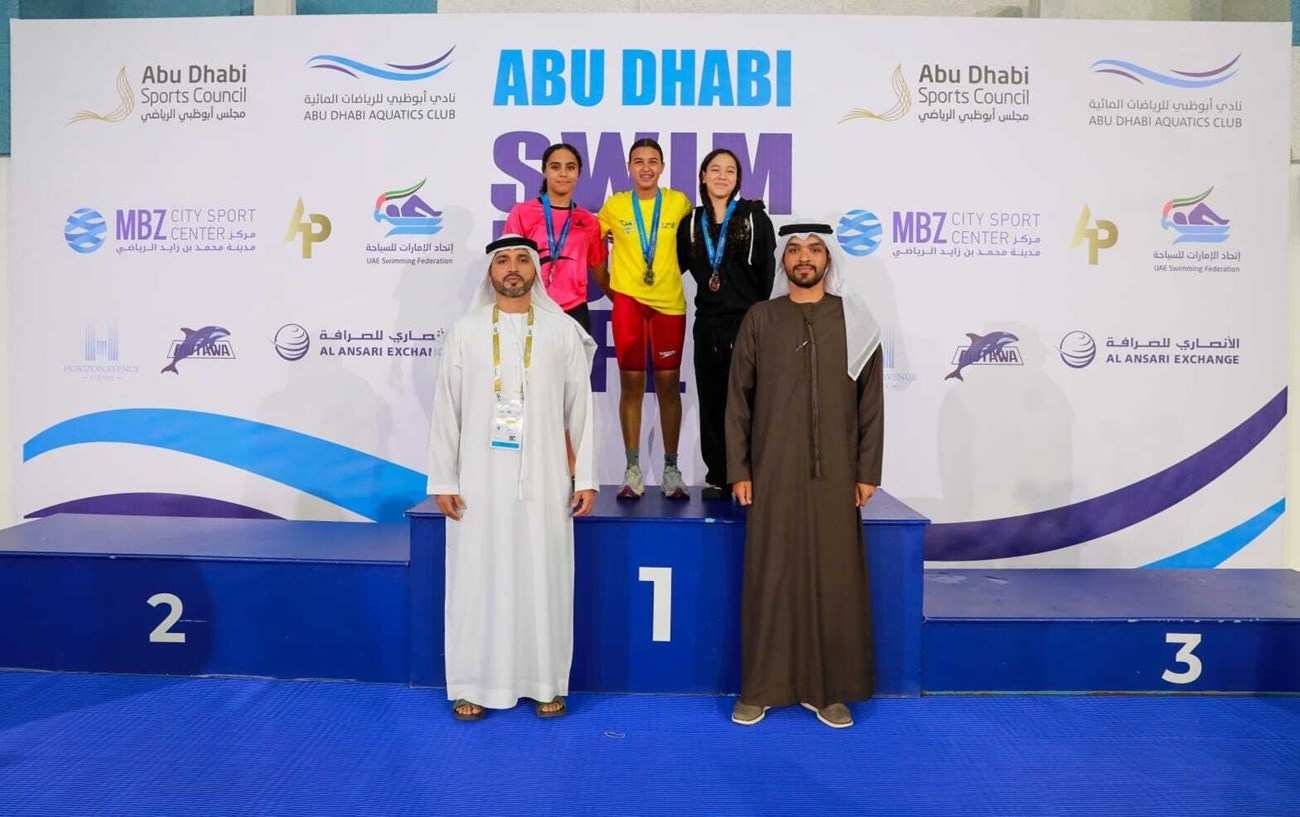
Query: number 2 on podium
1189	642
163	632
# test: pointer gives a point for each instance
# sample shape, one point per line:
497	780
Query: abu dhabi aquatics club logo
1170	77
902	102
126	103
391	71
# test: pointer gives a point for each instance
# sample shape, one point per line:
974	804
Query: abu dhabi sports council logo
407	213
292	342
387	71
313	230
1077	349
1172	78
1100	235
859	232
126	103
85	230
993	349
902	102
1194	221
208	343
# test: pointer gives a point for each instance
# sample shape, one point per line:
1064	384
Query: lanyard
496	351
715	256
648	243
556	247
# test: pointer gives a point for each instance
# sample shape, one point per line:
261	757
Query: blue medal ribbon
555	247
715	255
648	243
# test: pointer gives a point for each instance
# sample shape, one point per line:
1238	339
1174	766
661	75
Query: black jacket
748	262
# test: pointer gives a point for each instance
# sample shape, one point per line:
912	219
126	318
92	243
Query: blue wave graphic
1214	552
362	483
1069	525
1177	79
400	73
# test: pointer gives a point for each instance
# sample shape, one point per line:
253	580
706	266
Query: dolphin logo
195	341
980	347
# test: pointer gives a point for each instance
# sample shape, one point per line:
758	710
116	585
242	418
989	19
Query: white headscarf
860	327
540	299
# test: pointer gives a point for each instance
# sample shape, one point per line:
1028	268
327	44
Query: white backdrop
1116	413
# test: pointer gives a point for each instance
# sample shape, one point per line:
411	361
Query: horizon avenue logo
992	349
1102	236
126	103
100	354
902	102
207	343
313	230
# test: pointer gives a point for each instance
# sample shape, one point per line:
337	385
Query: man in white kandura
515	378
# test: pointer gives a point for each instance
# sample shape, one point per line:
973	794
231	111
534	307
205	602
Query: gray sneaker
633	485
674	485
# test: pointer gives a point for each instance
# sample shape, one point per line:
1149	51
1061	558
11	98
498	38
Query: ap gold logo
313	229
1102	236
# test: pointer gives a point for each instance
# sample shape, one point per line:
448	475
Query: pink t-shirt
565	279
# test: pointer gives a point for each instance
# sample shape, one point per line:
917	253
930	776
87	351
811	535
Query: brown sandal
471	716
554	713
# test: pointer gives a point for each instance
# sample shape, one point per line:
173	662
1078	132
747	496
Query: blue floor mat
126	745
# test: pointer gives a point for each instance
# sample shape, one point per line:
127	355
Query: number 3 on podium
1189	642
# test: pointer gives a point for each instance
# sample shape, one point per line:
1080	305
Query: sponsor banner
1074	243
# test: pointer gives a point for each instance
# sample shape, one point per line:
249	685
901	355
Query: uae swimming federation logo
1077	349
292	342
126	103
902	102
208	343
859	232
1193	220
85	230
1172	78
993	349
407	213
389	70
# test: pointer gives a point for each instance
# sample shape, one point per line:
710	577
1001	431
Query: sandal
555	713
462	716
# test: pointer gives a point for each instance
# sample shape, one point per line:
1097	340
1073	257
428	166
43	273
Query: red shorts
633	323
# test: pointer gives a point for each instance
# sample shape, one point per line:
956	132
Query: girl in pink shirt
567	236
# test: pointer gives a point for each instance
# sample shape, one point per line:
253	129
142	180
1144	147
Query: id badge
508	425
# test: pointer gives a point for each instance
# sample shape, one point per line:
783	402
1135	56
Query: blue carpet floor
114	745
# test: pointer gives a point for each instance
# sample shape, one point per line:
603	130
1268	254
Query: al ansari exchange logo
292	342
1077	349
125	105
1101	236
313	229
902	102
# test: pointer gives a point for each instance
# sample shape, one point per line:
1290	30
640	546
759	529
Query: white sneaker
633	485
674	485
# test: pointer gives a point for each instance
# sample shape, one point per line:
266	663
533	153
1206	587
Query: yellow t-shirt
627	264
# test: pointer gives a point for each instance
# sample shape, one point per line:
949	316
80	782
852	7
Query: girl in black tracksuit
729	278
